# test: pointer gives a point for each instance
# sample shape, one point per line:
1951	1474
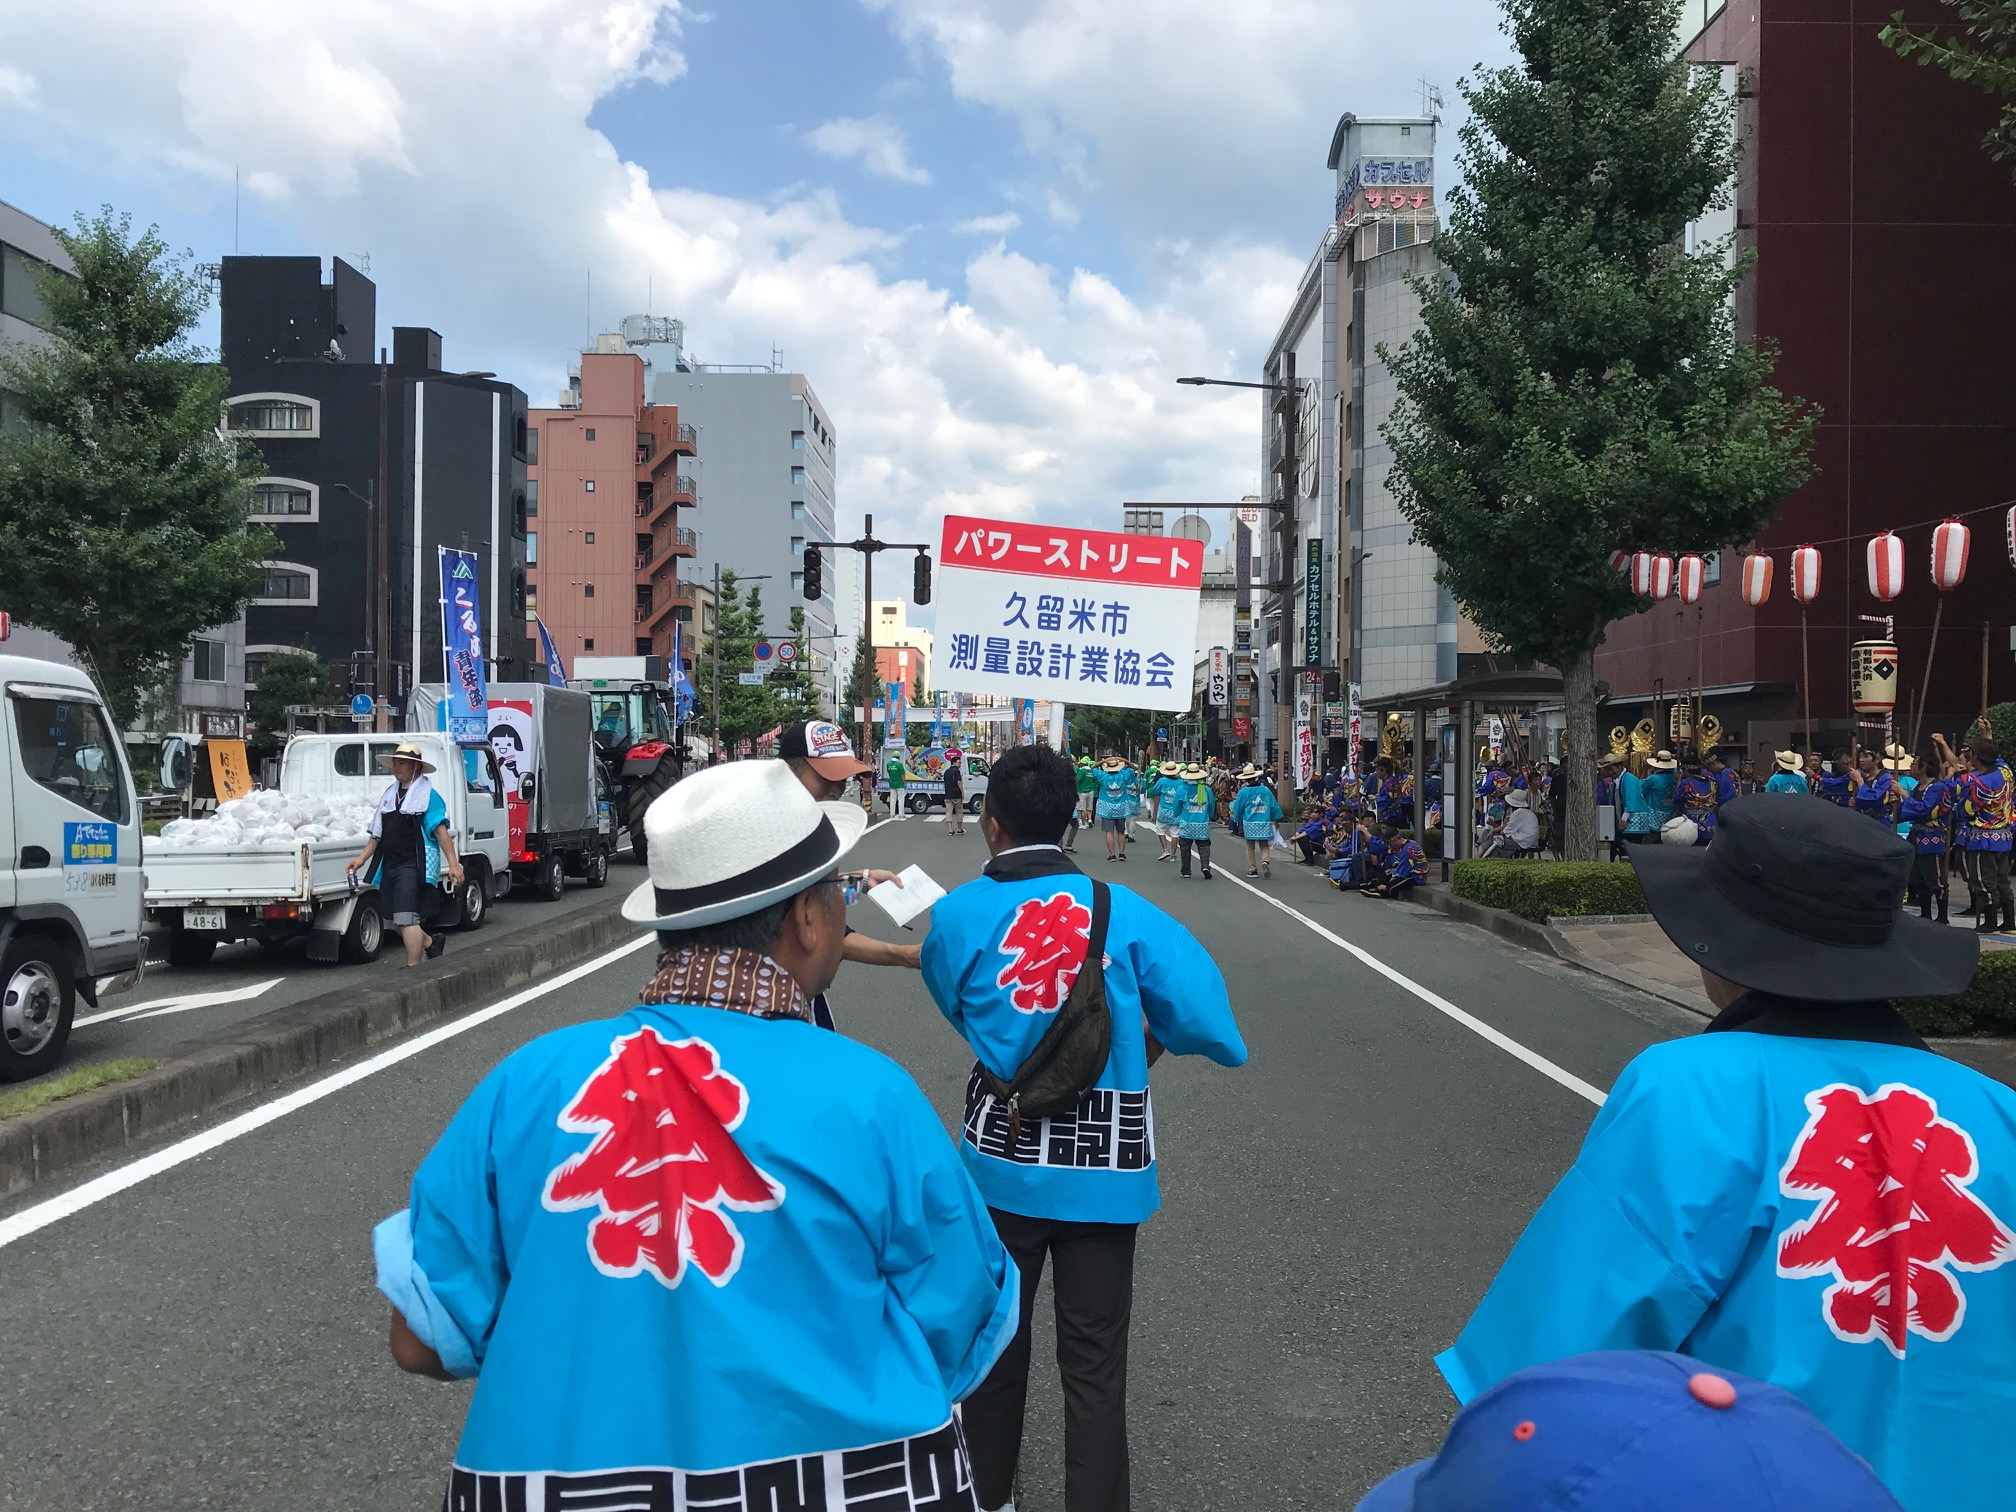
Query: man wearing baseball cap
819	756
701	1255
1805	1191
1634	1431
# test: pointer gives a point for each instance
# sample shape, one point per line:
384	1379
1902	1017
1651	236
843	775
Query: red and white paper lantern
1620	559
1757	577
1886	565
1690	578
2009	526
1652	574
1806	574
1949	555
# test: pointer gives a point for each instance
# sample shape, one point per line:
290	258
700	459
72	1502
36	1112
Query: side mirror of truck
174	764
526	787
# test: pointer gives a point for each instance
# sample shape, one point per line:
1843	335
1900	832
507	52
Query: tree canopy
123	508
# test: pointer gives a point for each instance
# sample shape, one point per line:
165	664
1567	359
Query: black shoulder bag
1073	1051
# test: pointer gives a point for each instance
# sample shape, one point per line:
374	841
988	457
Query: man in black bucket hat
1804	1192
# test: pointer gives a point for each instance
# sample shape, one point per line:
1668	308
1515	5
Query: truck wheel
917	803
188	949
549	883
37	998
643	793
472	900
365	934
973	803
595	869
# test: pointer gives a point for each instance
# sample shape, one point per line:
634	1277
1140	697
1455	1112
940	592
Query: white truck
542	738
208	895
70	881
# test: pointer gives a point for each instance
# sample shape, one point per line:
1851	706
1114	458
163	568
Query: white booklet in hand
904	903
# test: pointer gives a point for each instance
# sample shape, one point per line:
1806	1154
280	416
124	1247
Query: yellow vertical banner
229	772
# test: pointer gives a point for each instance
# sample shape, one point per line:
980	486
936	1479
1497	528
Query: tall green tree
1578	385
1977	52
289	677
747	709
864	686
123	511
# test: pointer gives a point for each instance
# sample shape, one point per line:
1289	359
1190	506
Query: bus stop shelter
1461	702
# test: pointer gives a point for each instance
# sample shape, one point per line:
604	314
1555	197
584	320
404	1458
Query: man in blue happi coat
704	1254
1804	1192
1000	961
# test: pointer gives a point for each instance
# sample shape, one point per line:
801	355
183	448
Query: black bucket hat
1803	899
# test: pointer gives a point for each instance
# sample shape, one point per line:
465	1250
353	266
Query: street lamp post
1287	404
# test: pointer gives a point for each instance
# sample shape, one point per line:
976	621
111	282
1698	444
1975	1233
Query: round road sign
787	651
764	651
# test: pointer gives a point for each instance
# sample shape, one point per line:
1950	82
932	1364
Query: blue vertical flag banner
1025	721
462	649
897	703
682	685
556	674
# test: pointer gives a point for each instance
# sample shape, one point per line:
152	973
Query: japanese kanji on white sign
1051	611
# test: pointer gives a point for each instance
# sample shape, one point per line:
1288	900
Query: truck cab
70	880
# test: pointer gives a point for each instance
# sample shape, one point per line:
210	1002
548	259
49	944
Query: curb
289	1042
1550	940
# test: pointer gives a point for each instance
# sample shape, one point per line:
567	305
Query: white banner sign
1052	611
1219	687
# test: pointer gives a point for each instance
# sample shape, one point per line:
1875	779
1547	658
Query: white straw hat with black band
731	840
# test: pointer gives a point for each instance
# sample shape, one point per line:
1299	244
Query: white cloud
16	88
989	225
466	164
877	143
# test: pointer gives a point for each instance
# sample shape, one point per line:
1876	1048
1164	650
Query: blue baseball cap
1635	1431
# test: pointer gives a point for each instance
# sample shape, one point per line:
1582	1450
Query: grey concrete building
210	690
766	467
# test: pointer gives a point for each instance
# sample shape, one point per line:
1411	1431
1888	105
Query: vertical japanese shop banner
1059	612
462	649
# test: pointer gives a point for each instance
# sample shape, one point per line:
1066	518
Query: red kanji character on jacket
663	1167
1046	941
1895	1216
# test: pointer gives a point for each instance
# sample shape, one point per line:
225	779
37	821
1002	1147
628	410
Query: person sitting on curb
413	843
1405	868
701	1252
1805	1191
1635	1431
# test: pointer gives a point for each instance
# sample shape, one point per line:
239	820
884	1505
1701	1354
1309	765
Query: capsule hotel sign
1056	612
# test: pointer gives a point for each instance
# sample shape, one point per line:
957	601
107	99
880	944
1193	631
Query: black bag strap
1095	943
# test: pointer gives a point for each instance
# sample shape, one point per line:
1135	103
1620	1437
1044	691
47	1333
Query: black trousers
1093	1275
1928	883
1203	849
1988	878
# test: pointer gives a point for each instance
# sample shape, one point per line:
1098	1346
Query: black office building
344	425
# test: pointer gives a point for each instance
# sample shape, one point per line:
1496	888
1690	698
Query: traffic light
920	583
814	589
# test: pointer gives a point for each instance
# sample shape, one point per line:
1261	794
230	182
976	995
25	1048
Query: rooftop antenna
1431	101
776	358
234	209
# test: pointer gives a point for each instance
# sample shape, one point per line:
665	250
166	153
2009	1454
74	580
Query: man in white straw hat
1788	774
702	1255
412	841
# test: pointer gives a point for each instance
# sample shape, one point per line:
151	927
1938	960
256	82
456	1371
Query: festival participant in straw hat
1648	800
1193	819
700	1252
1166	794
1119	801
415	848
1254	813
1788	774
1805	1192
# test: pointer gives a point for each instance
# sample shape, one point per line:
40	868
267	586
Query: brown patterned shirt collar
740	981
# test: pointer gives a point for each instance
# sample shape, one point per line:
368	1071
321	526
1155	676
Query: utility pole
715	702
1288	404
868	546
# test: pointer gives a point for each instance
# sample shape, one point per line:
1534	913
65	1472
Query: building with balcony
902	651
612	498
373	466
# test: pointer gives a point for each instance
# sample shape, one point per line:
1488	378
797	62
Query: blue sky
1147	174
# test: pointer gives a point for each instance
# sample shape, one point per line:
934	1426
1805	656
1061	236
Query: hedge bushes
1540	890
1987	1006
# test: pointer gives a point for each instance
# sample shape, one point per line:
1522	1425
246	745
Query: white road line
181	1003
55	1209
1434	1000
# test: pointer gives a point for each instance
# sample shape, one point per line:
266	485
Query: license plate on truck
211	919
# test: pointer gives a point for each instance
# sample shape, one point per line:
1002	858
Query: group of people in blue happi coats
712	1253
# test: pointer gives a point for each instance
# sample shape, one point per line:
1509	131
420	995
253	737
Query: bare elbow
411	1355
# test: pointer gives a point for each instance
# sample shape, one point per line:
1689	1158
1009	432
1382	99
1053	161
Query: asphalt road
210	1337
173	1004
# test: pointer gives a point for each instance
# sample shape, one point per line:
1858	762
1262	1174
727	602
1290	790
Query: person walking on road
1001	962
413	845
1088	796
896	771
1193	819
1165	794
955	793
1119	801
700	1255
1254	813
824	763
1805	1191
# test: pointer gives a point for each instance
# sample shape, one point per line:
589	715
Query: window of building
286	583
797	440
589	537
518	431
1711	568
206	661
531	498
587	590
532	445
518	515
643	645
531	548
13	416
20	293
276	415
797	545
591	485
591	433
531	599
797	582
519	593
587	643
798	476
284	499
797	509
67	748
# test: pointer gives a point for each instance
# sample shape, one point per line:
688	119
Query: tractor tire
642	794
